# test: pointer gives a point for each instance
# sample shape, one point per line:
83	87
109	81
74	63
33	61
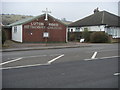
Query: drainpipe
67	32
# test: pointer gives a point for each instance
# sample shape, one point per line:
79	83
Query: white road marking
16	67
90	59
102	58
94	55
109	57
10	61
116	74
14	59
49	62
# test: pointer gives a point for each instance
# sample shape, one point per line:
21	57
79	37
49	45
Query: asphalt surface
69	68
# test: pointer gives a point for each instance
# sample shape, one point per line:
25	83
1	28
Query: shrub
3	37
86	35
99	37
72	37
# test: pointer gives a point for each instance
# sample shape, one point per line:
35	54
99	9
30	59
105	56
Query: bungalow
99	21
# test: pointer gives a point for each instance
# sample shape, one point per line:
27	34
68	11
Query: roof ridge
110	13
23	21
56	19
103	15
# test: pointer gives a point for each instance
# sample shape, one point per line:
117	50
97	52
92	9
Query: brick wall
33	31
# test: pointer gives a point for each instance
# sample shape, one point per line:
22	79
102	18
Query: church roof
24	21
98	18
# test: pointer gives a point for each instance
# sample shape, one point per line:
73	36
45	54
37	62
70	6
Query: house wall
34	30
113	31
72	29
89	28
93	28
17	33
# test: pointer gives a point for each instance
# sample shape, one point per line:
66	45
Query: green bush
86	35
3	37
72	37
99	37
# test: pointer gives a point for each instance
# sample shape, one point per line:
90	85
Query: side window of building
15	29
71	30
118	33
85	29
115	32
77	29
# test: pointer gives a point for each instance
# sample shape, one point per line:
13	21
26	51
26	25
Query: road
88	67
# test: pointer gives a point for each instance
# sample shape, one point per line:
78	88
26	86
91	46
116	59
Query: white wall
114	31
93	28
90	28
17	36
71	29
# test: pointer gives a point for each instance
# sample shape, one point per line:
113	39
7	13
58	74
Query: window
85	29
71	30
77	29
15	29
115	32
118	33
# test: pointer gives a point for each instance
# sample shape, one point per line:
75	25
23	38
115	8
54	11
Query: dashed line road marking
116	74
109	57
10	61
94	55
19	58
16	67
102	58
90	59
49	62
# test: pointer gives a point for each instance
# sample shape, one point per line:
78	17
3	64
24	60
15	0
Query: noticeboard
45	34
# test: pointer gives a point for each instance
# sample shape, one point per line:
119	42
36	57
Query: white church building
99	21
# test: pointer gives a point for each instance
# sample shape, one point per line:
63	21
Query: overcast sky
72	10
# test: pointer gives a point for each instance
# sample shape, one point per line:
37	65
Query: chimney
96	10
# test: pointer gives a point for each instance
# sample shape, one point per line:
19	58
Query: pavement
12	46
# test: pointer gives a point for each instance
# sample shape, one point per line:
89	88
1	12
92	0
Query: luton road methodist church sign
40	25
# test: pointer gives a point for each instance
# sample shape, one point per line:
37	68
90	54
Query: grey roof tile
98	18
